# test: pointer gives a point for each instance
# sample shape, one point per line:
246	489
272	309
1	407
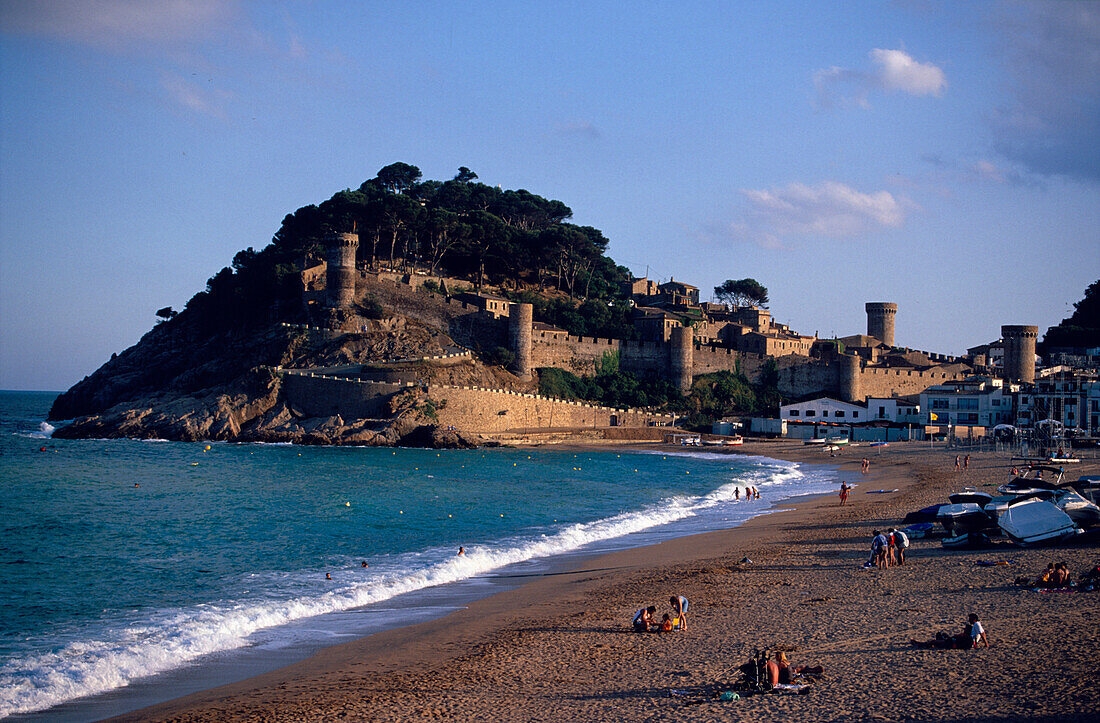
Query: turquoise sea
136	571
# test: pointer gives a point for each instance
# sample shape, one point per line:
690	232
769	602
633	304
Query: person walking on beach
844	492
680	607
966	462
958	464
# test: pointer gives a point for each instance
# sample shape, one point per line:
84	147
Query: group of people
1055	576
972	636
962	463
888	549
750	493
845	488
865	466
644	619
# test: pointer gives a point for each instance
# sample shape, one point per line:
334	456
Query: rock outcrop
174	385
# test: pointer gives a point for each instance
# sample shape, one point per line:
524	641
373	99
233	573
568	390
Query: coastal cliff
175	385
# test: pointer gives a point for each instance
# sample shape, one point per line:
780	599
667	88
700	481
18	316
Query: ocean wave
174	638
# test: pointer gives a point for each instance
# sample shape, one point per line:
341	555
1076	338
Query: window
824	412
881	412
968	403
839	414
794	412
811	413
968	418
855	415
939	404
996	402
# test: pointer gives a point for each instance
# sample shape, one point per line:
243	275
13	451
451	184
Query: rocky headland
179	384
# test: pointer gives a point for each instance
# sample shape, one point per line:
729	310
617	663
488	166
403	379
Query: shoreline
243	664
438	668
408	646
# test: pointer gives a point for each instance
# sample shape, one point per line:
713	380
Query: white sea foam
171	639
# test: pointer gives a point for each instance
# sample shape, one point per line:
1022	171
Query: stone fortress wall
484	411
679	359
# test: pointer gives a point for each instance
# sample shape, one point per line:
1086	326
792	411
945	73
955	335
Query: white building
823	409
893	409
973	402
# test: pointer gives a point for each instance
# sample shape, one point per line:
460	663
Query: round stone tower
340	282
1019	352
849	387
681	357
520	318
880	320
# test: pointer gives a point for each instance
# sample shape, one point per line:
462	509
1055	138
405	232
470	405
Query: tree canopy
459	227
742	292
1082	328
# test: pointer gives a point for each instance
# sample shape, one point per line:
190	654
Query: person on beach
644	618
971	637
755	493
1047	578
966	462
461	550
737	493
1061	575
901	541
878	550
844	492
958	463
680	607
780	670
864	465
748	493
666	624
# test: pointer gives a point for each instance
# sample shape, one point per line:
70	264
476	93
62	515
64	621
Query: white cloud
192	97
892	70
828	209
898	71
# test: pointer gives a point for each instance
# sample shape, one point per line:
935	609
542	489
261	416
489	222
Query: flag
932	416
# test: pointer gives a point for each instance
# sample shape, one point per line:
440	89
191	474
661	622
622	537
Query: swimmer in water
365	564
461	550
328	576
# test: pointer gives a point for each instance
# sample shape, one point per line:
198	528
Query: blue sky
945	156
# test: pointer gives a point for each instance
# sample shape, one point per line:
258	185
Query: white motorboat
970	495
958	519
1082	511
1035	522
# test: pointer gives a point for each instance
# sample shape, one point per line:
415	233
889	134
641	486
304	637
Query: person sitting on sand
781	672
1048	577
973	634
680	607
1061	575
666	624
644	618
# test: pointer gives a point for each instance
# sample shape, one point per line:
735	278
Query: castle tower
880	320
340	283
849	386
520	318
1019	352
681	357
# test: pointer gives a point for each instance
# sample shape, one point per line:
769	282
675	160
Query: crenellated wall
471	409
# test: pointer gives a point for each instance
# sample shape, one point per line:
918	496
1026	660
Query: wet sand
560	648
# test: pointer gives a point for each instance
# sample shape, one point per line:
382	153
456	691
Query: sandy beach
560	647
